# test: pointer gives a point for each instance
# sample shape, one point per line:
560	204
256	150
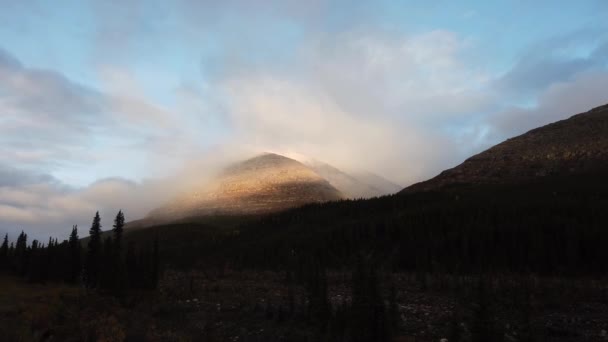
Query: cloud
44	115
559	101
45	209
43	206
10	176
558	59
360	101
51	123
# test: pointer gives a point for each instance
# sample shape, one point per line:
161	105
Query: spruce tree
74	252
155	263
36	270
119	224
117	277
106	269
21	254
134	280
93	257
4	253
4	248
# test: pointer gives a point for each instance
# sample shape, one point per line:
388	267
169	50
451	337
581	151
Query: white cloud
365	100
42	206
559	101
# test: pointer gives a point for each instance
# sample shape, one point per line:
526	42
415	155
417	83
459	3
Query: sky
108	105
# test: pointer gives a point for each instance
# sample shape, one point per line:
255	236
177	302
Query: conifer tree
155	263
93	257
131	263
117	277
4	253
74	252
4	247
36	271
119	224
106	269
21	254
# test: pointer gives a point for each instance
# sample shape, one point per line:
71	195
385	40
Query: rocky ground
254	306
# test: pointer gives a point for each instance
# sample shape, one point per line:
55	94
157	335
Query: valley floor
261	306
255	306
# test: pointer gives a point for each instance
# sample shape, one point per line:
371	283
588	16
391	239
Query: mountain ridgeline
574	146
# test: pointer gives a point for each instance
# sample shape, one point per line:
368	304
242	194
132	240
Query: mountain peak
262	161
265	183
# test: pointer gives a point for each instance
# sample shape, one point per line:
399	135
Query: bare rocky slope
263	184
573	146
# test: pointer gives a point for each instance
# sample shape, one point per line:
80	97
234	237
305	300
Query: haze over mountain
354	185
268	183
573	146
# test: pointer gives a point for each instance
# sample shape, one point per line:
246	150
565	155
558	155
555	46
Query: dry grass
29	311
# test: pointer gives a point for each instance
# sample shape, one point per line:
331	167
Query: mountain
263	184
569	147
525	221
358	185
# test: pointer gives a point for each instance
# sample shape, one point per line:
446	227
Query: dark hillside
567	147
536	227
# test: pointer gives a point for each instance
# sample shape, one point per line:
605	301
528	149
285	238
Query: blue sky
99	97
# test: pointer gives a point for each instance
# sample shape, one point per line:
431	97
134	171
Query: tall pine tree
4	248
118	276
133	270
75	253
21	257
93	258
155	263
107	273
119	224
4	253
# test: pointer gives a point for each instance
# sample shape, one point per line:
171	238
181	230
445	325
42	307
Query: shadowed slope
573	146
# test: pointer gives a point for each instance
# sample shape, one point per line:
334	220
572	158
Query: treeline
545	229
106	263
555	227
